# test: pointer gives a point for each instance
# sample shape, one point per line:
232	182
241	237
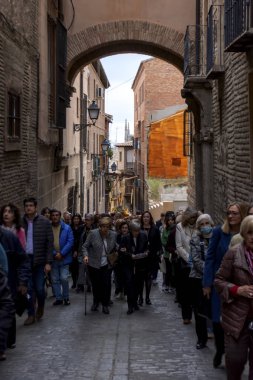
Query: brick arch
111	38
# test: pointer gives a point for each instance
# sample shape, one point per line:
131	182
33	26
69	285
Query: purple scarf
249	258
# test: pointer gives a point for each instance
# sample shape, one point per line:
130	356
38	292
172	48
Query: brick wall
163	84
18	72
231	134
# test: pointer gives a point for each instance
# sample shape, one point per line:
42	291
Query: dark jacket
42	240
217	248
234	270
140	247
7	310
154	246
19	270
66	243
77	233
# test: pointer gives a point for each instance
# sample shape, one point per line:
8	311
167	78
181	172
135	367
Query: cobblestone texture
149	344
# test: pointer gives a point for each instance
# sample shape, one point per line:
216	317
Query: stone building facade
39	151
83	190
157	85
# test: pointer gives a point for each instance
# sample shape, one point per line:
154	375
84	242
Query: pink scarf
249	258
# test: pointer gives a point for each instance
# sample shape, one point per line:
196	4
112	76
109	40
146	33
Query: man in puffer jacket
63	244
39	248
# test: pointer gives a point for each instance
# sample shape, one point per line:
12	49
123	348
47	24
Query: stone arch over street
124	37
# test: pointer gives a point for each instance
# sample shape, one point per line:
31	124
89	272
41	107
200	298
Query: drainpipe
198	35
81	144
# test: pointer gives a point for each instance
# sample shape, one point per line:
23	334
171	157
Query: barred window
14	120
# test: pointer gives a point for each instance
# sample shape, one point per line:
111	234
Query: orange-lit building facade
165	151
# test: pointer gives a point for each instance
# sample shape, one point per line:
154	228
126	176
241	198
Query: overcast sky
119	101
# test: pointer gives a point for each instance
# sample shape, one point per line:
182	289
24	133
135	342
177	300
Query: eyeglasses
233	213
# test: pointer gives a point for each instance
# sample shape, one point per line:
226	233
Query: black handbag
21	304
183	264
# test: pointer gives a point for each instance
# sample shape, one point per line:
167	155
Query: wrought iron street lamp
105	145
93	111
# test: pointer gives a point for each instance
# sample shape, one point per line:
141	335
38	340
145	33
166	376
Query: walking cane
85	290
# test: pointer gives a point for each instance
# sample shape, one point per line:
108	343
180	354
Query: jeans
36	287
60	273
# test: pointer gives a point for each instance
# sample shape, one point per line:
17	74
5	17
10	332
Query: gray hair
134	225
204	217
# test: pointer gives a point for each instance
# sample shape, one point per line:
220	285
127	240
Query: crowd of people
208	269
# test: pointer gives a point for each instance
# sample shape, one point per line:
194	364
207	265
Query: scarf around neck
249	259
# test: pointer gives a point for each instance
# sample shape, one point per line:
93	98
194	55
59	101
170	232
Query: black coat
154	246
77	233
140	247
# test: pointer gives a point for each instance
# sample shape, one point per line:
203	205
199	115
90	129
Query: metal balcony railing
194	51
238	25
215	41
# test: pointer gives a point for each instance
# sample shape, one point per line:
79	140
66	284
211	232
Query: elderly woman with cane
99	245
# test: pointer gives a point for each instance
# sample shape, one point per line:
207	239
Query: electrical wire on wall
74	14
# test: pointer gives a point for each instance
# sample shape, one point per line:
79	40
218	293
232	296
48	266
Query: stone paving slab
147	345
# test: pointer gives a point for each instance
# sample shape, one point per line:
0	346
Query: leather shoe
136	307
2	356
29	321
57	302
140	301
94	307
148	302
105	310
186	321
217	360
199	346
39	313
130	311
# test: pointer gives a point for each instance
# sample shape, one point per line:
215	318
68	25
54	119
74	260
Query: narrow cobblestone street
149	344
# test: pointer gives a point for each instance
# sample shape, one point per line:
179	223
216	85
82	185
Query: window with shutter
61	59
14	120
51	33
